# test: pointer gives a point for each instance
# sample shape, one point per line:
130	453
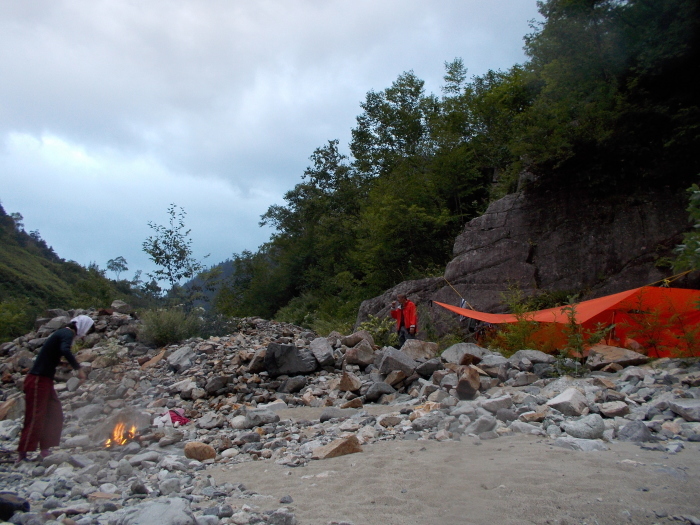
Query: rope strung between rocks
668	280
460	295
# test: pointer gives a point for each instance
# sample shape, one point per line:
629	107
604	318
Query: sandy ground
510	480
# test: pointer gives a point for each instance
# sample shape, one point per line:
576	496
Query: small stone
199	451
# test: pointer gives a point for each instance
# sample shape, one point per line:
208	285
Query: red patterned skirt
43	417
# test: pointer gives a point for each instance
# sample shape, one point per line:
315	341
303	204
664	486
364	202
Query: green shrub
163	327
383	330
16	317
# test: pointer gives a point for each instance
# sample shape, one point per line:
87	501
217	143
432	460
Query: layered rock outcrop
552	240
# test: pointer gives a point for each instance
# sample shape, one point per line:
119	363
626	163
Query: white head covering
84	323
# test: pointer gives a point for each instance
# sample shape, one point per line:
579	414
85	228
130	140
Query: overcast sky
110	110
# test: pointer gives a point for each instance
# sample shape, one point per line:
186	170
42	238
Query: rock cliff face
563	240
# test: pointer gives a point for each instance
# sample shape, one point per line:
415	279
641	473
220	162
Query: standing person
43	416
406	318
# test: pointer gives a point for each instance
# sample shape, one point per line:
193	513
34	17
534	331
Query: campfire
120	435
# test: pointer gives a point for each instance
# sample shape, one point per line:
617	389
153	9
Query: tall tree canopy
607	97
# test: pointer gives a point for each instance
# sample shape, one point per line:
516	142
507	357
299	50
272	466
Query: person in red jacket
406	318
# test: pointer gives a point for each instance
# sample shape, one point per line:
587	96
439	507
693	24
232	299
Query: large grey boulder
211	420
463	354
534	356
292	384
261	416
172	511
216	383
688	409
600	356
181	359
323	351
354	338
289	360
588	427
481	425
494	404
635	431
396	360
570	402
583	445
377	390
361	354
430	420
428	368
419	350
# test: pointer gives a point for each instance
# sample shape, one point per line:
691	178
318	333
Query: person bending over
43	416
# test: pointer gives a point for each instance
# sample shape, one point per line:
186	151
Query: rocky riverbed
275	394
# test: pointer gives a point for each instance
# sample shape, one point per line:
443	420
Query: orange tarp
663	318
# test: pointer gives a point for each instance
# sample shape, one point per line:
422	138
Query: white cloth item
84	323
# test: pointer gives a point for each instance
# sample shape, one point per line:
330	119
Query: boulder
261	416
419	350
614	409
349	382
11	503
257	363
463	354
339	447
481	425
395	377
495	404
588	427
199	451
181	359
288	359
292	384
396	360
601	356
570	402
428	421
121	307
688	409
377	390
583	445
171	511
635	431
361	354
468	383
216	383
428	368
211	420
322	351
13	408
534	356
353	339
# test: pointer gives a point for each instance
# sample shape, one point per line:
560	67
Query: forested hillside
607	100
33	277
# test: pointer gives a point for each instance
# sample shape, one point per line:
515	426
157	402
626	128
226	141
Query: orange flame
120	435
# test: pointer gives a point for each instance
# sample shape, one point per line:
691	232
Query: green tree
171	249
117	265
689	251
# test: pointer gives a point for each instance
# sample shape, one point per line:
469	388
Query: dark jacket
58	344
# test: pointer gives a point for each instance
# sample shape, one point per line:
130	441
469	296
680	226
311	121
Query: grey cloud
235	92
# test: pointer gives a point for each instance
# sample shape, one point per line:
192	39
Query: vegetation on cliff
607	99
